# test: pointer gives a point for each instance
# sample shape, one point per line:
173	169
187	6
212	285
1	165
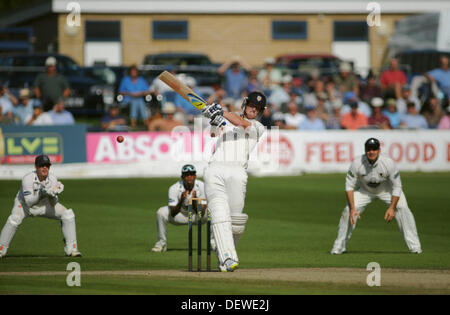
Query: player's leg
163	217
345	228
10	227
216	194
406	222
143	111
236	188
68	226
133	112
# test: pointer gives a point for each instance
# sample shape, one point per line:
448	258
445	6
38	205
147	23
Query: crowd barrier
78	154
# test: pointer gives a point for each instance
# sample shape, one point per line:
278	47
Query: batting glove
217	121
211	111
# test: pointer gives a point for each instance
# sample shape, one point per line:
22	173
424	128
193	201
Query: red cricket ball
120	139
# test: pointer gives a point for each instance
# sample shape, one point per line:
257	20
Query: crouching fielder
226	177
38	196
375	176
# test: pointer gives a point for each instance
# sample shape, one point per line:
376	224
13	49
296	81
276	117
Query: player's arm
175	206
236	120
394	177
31	197
350	183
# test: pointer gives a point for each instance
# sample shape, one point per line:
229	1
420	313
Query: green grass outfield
292	224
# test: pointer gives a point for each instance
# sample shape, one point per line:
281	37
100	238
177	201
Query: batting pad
224	241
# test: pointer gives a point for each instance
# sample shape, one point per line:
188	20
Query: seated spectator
266	119
281	94
346	81
444	124
392	80
278	120
433	112
229	105
334	120
217	97
323	107
7	101
354	119
113	121
413	120
167	122
406	97
378	119
39	117
60	116
311	122
293	118
370	90
184	106
23	111
269	76
363	107
134	88
253	82
235	75
392	113
441	76
5	119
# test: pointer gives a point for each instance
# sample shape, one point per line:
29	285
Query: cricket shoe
337	252
416	251
74	253
159	248
229	265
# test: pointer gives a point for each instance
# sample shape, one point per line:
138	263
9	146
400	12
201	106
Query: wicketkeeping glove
53	190
211	111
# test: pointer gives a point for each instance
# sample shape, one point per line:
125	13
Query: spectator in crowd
134	88
266	118
5	119
278	120
392	113
50	87
406	97
370	90
24	110
334	120
293	118
7	101
281	94
253	82
323	107
317	89
444	124
217	97
392	80
60	116
235	74
354	119
441	76
269	76
332	91
413	120
346	81
229	105
40	118
113	121
311	122
167	122
378	119
363	107
433	112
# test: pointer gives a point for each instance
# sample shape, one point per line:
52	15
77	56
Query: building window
102	31
351	31
170	30
289	30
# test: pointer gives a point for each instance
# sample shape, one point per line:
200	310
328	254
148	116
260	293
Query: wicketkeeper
177	212
39	196
375	176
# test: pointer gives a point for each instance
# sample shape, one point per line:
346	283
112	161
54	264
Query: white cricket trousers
403	215
225	188
163	217
47	210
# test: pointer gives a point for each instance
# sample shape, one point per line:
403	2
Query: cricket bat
182	89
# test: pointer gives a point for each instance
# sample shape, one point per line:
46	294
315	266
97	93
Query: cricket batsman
226	177
373	176
39	196
176	212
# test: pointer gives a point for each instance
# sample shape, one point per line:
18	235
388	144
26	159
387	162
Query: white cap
345	67
286	79
50	61
269	60
190	81
377	102
337	103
